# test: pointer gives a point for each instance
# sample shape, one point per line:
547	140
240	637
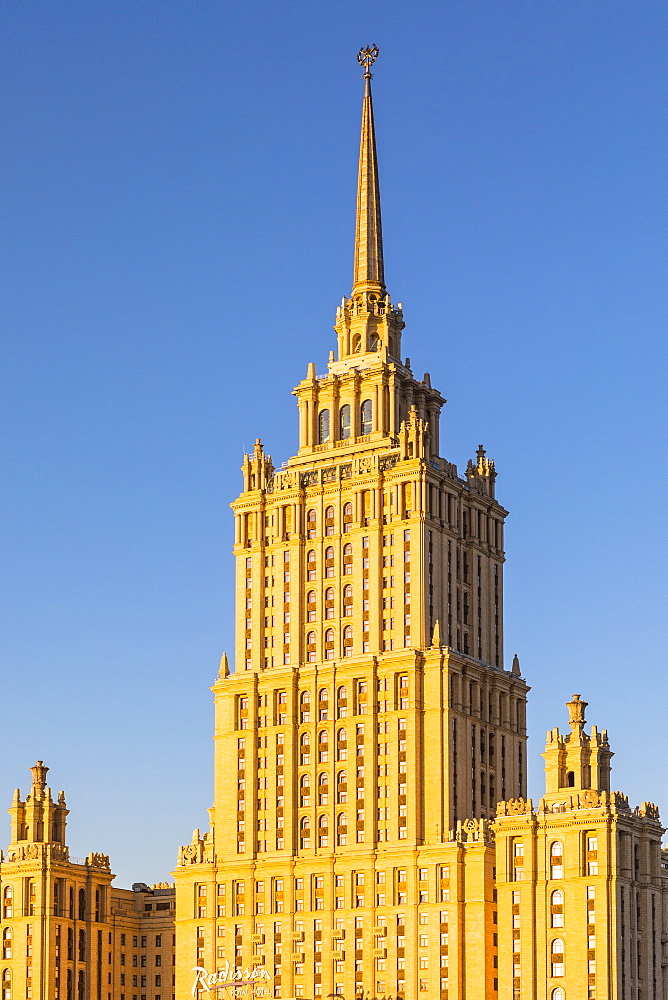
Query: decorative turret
39	819
578	760
367	322
481	474
257	468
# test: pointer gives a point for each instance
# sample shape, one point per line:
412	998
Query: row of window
343	429
556	857
360	693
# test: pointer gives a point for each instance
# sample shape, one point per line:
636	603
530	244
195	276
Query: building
370	814
67	933
581	889
370	835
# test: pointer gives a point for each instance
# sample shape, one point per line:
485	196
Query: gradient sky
179	184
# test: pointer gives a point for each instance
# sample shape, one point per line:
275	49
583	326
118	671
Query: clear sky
179	184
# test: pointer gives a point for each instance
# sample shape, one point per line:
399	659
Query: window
329	561
310	606
305	832
304	791
366	417
348	641
347	601
305	705
8	902
310	523
329	602
342	829
310	565
341	788
304	749
323	709
557	908
592	854
7	943
557	957
558	994
6	984
323	746
518	860
341	745
556	859
329	644
329	520
344	422
323	427
323	831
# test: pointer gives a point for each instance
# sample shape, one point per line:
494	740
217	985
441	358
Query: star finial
367	57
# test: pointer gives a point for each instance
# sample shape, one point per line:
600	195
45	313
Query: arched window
557	908
347	549
366	417
323	427
323	746
305	706
304	749
559	993
347	559
341	745
323	831
310	565
323	789
557	957
329	602
329	520
310	606
82	904
323	707
344	422
329	644
347	601
310	523
304	791
348	640
357	344
8	902
347	516
7	943
329	561
305	832
342	830
310	647
342	702
341	787
6	984
556	859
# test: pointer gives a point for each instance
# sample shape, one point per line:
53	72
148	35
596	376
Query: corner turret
578	760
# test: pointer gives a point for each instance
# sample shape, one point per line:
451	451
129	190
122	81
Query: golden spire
368	270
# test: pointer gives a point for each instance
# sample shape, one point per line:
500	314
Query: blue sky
179	187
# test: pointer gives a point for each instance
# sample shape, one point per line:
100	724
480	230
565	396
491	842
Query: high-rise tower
369	709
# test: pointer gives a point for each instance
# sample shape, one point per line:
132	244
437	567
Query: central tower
369	710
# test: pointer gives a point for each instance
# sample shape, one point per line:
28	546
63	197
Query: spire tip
366	58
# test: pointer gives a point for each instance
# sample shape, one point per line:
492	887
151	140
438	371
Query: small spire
39	776
576	711
515	669
368	269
